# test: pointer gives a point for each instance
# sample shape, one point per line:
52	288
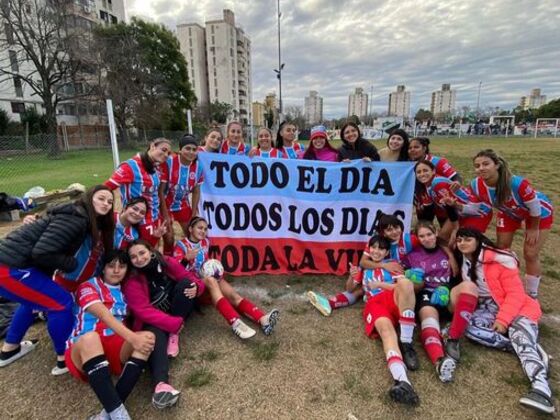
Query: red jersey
181	180
443	167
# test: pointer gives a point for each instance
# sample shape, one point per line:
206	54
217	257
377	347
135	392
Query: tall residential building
536	99
399	102
271	104
358	103
259	110
224	74
313	108
443	101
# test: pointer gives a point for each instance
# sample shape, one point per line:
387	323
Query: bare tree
294	114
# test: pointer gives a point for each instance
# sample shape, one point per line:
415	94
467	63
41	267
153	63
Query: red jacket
137	295
502	276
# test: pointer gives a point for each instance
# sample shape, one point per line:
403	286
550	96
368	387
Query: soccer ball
212	268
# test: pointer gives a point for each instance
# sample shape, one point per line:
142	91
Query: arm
195	200
514	294
162	203
390	266
177	272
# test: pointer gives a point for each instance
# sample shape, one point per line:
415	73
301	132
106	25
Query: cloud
333	47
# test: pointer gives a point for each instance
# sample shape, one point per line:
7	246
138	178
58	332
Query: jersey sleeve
179	252
414	241
199	175
123	175
164	172
445	169
87	295
529	196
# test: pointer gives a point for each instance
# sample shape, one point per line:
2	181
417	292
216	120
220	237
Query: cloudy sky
334	46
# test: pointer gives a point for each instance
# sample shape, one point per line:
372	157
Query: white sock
396	366
532	285
407	325
119	413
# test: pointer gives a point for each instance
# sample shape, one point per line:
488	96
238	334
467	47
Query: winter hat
319	131
187	139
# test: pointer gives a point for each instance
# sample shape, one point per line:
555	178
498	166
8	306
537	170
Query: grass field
312	367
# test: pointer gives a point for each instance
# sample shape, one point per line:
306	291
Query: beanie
319	131
187	139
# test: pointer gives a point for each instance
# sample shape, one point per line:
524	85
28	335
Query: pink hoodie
137	296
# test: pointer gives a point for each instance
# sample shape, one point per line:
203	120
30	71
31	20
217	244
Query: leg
504	239
180	304
431	335
405	300
533	265
158	360
230	293
463	302
480	327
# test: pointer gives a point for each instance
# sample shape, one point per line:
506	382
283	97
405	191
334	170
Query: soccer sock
342	299
396	366
464	308
532	285
224	307
97	371
248	308
131	372
431	339
406	322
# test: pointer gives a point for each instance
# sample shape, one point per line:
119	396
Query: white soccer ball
212	268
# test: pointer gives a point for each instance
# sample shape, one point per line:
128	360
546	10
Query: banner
280	216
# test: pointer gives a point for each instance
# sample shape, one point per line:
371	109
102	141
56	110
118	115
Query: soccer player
264	145
286	141
234	143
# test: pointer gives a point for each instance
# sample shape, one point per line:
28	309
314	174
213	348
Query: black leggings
180	306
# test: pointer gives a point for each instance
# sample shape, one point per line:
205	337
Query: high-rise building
219	62
536	99
313	108
358	103
399	102
259	110
443	101
271	104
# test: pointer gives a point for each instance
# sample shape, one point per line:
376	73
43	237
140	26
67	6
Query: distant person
286	141
264	147
234	144
397	147
212	141
354	146
319	146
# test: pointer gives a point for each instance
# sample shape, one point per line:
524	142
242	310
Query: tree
423	115
294	115
43	40
4	122
220	111
36	122
549	110
269	118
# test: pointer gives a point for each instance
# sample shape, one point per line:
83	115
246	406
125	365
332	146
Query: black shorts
423	299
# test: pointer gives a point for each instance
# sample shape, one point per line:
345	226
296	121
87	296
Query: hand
191	292
499	327
143	342
161	229
531	237
252	152
346	160
366	159
393	267
449	201
455	186
194	213
30	218
191	254
353	270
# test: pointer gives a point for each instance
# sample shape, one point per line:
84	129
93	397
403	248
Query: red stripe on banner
243	256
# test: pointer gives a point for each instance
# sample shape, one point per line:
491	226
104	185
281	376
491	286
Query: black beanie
187	139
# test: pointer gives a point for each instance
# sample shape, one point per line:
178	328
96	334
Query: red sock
227	311
339	301
465	306
247	308
431	339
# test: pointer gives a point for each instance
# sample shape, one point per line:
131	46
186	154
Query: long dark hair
424	142
145	158
403	153
503	187
155	253
99	226
136	200
279	138
350	124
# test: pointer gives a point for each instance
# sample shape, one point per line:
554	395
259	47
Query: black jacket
362	149
49	243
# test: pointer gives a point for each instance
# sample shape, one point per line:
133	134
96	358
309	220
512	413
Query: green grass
265	351
199	377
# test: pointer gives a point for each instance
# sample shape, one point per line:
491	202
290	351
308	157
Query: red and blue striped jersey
134	181
370	278
95	290
124	235
442	165
272	153
293	152
181	180
185	245
402	247
440	188
242	149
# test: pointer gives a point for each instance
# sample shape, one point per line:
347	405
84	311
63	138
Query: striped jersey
442	165
185	245
370	278
124	235
272	153
440	188
242	149
181	180
293	152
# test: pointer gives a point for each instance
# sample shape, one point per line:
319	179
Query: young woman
127	221
452	203
212	141
517	203
505	309
439	297
354	146
101	344
286	141
138	176
264	145
390	302
68	240
160	294
397	147
234	143
319	146
181	176
192	252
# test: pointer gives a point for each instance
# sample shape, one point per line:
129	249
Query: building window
18	107
13	61
104	16
214	60
231	52
212	29
190	42
114	19
110	3
190	32
18	87
216	93
213	40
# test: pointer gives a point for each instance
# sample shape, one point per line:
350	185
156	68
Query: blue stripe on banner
389	183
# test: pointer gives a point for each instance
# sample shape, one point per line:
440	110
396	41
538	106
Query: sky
335	46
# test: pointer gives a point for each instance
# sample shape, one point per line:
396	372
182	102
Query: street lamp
280	67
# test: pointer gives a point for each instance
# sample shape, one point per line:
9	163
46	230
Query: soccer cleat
164	396
403	392
445	368
320	302
545	358
242	330
268	322
60	368
453	349
173	345
538	400
9	357
410	357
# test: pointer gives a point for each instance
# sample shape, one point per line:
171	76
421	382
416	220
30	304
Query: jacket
502	276
48	243
363	149
137	294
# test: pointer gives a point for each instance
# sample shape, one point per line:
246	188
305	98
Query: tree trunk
50	113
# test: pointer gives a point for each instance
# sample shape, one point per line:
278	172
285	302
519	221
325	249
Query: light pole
478	100
280	67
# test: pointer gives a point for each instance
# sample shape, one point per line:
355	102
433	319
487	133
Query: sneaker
538	400
173	345
453	349
164	396
445	368
403	392
100	416
409	356
545	358
60	368
242	330
8	357
269	321
320	302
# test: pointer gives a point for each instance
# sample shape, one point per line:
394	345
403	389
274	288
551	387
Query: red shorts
381	306
182	216
147	232
505	223
112	346
477	223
